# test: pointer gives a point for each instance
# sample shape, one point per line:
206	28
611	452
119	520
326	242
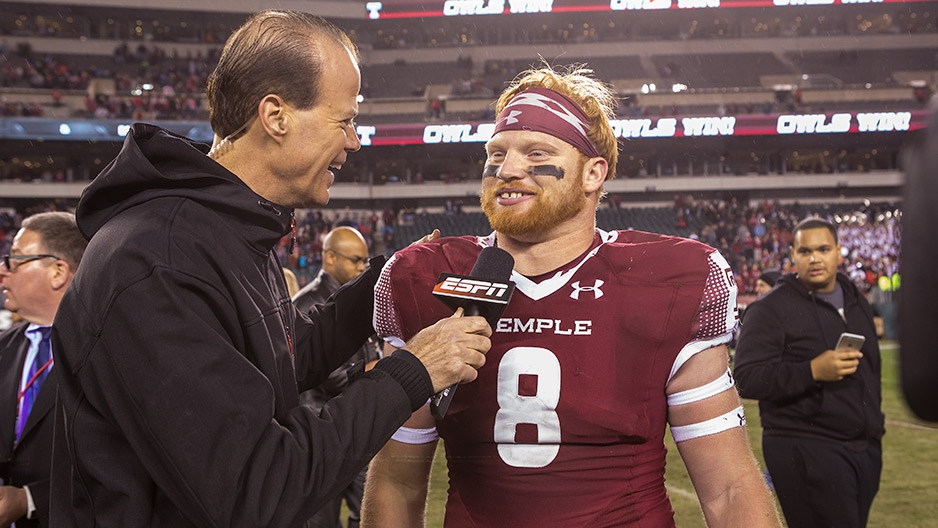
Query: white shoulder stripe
721	285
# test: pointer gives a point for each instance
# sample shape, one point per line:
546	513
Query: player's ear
594	174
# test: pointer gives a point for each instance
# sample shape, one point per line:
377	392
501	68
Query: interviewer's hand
13	504
834	365
453	349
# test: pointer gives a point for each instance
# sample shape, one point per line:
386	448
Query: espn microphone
484	292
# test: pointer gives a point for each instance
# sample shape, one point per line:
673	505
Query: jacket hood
156	163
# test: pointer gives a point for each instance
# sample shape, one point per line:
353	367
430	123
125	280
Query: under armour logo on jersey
542	101
597	293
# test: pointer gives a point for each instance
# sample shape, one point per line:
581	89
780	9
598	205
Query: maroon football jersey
565	424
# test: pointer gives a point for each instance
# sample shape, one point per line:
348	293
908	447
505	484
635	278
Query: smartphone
850	341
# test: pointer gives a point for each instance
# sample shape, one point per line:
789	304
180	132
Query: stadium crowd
146	82
169	86
756	238
569	29
753	237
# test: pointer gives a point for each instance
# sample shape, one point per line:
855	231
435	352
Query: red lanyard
33	380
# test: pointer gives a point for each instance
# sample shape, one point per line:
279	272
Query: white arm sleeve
713	388
407	435
734	418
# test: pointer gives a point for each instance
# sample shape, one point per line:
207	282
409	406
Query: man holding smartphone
819	398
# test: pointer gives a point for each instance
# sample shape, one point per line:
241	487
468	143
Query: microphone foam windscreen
493	264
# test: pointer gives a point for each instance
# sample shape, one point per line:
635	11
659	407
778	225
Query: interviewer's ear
274	115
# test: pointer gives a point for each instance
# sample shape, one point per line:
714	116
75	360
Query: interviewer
178	351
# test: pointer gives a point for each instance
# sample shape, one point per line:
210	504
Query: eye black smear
491	171
547	170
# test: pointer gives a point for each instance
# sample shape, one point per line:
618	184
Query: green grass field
908	495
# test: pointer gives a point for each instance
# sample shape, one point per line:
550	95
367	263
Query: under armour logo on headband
547	111
510	119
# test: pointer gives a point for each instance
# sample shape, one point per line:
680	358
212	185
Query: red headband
547	111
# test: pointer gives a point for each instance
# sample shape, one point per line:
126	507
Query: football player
609	337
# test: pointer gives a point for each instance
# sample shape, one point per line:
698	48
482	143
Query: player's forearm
397	485
386	505
728	481
747	503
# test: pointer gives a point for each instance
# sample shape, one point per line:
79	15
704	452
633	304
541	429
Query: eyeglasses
23	259
356	260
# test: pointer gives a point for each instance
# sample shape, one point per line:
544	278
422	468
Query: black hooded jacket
783	331
180	357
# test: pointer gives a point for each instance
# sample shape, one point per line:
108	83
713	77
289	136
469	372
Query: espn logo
469	288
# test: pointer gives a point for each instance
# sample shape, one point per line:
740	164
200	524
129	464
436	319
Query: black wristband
413	377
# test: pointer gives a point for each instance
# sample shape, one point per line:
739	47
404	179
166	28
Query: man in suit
344	257
42	261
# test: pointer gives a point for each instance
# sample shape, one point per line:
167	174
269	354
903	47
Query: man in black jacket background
43	259
820	407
